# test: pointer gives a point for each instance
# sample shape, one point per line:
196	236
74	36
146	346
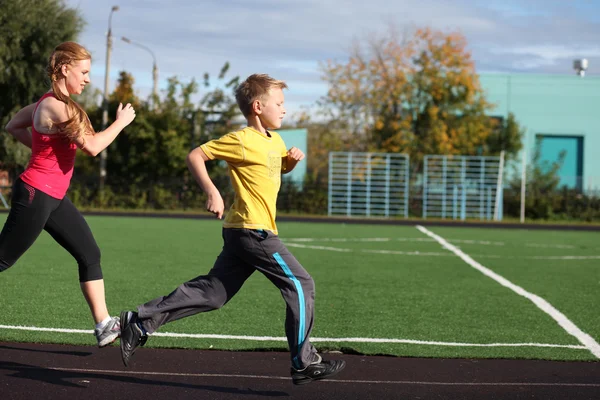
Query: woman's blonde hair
65	54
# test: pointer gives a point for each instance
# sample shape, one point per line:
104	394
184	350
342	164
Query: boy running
256	157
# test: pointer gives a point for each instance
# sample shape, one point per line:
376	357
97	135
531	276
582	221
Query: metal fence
461	187
362	184
368	184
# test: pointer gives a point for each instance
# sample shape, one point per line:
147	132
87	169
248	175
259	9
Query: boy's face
271	110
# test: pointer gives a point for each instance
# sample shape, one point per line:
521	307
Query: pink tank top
52	160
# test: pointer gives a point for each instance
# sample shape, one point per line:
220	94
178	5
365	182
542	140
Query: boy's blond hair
255	87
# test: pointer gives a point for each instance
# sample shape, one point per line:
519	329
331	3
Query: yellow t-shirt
255	163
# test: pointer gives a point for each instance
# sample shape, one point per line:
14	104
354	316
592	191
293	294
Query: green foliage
323	137
13	155
146	165
417	96
506	135
542	182
545	199
154	146
306	197
218	108
124	92
562	204
29	32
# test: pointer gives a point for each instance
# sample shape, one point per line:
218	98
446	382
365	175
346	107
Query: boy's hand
214	204
295	154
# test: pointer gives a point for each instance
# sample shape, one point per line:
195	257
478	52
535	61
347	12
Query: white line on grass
410	239
542	304
562	257
286	378
551	246
312	339
435	254
387	239
338	249
342	250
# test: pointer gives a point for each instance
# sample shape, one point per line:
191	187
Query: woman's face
77	75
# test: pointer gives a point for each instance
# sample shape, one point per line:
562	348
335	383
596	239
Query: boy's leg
28	214
266	253
68	227
201	294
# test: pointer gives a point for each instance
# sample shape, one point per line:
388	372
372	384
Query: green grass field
380	289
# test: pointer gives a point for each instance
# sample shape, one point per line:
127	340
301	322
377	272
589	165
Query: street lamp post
154	69
105	99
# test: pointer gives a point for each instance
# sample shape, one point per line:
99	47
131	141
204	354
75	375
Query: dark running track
35	371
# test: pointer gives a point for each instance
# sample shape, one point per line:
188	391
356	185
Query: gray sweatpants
244	251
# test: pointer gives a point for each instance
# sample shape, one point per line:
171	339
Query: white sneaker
110	332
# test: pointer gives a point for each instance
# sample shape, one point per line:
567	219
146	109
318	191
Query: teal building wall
560	113
296	138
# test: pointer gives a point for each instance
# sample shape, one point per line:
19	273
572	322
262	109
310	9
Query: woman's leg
29	212
68	227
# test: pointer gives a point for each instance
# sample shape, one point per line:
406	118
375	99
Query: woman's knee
89	265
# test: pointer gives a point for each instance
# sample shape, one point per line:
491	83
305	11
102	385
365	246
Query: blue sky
289	39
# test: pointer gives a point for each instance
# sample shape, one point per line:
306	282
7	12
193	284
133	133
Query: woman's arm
19	125
53	111
93	143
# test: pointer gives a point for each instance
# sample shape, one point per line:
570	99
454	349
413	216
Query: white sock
103	323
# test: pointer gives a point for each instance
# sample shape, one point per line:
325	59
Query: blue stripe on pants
298	286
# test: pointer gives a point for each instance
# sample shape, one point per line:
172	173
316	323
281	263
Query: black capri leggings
33	211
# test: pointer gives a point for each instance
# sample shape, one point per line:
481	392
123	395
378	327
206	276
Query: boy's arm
19	125
294	156
196	160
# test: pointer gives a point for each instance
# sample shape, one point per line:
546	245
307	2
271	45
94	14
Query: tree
323	137
418	96
153	147
146	162
506	135
124	92
543	197
30	30
218	109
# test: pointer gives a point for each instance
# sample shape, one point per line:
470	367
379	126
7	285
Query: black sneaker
131	335
315	372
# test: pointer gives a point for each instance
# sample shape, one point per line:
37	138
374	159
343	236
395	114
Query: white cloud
550	52
537	57
289	39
